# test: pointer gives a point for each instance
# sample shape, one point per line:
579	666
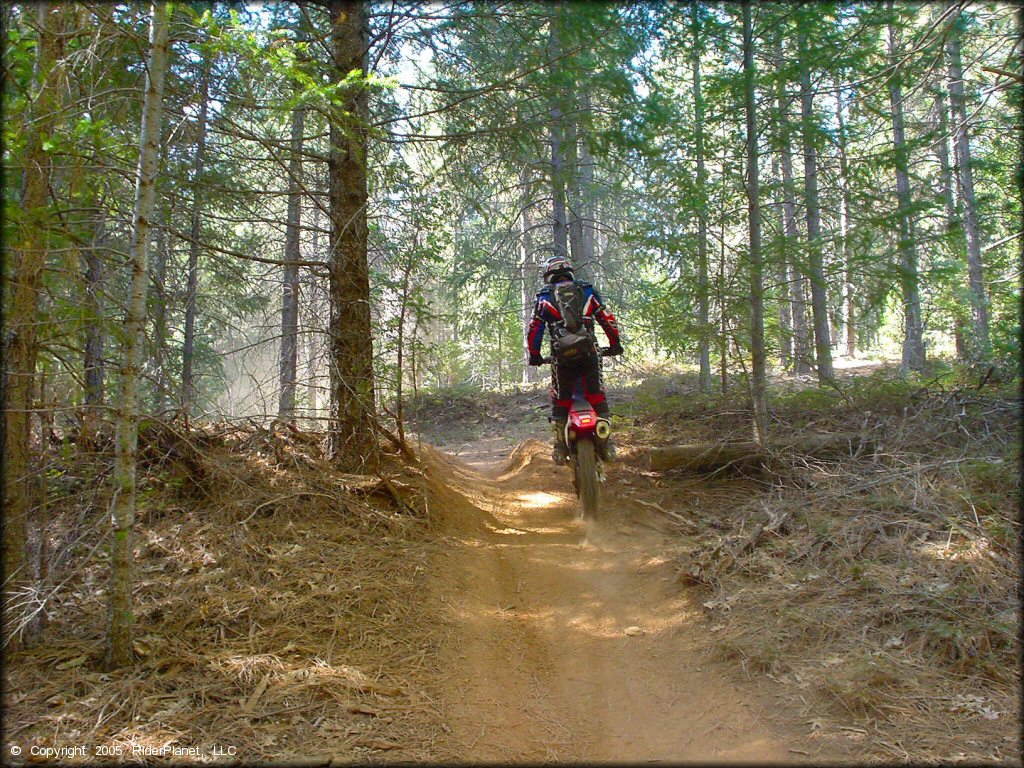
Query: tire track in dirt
537	662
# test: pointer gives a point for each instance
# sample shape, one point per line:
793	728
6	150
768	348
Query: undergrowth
881	587
278	606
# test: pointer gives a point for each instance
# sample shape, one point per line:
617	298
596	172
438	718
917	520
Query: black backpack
571	337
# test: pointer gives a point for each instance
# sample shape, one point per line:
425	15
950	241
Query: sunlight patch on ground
970	550
247	668
536	499
524	531
843	362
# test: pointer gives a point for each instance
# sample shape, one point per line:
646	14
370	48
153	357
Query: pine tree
119	633
353	435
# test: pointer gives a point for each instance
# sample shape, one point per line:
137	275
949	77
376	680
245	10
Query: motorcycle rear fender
582	421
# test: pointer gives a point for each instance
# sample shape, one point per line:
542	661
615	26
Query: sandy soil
568	644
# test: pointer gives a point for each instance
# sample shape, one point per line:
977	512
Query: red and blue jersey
546	313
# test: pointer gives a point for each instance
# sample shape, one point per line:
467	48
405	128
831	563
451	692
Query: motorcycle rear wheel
586	478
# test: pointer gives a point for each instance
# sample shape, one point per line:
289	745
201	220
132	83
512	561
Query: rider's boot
607	451
559	450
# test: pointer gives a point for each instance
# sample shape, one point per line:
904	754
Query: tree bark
757	379
815	256
290	294
353	439
965	187
119	628
24	288
188	387
704	341
913	335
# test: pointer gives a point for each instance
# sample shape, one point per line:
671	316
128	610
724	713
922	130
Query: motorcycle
585	435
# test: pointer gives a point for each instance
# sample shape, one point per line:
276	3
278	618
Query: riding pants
564	376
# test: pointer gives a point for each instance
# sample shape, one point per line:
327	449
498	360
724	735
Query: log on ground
704	456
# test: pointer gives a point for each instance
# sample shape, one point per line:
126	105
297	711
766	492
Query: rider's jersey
546	313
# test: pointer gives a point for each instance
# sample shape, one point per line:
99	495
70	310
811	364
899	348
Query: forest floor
460	612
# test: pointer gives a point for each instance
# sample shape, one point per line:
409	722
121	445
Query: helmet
557	266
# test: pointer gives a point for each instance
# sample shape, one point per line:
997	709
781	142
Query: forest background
310	212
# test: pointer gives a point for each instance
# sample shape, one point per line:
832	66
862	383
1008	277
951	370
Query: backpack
570	337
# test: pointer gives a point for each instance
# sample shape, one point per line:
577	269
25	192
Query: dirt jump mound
522	456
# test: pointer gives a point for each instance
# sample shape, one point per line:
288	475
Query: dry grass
880	589
279	610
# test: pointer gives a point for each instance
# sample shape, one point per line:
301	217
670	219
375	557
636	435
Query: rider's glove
536	360
614	350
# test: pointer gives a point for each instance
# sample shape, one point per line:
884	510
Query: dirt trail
540	663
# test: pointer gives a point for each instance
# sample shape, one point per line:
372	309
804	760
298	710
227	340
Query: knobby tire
586	478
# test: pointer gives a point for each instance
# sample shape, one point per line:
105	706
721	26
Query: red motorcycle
586	434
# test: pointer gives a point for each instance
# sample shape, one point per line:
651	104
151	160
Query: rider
564	373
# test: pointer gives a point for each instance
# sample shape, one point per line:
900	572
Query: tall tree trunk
782	278
313	312
815	256
723	325
965	188
527	268
801	334
844	225
953	225
704	342
94	337
353	439
290	296
945	167
586	192
188	387
24	288
561	227
573	194
160	320
757	379
913	336
403	313
119	628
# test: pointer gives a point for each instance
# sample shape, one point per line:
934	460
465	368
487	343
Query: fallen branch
396	496
774	524
703	456
677	517
399	444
